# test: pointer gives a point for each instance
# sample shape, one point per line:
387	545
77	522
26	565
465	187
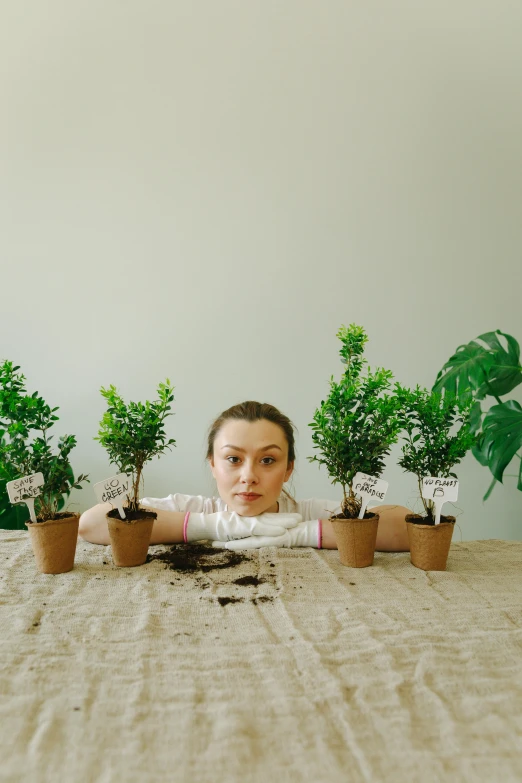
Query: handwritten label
445	488
440	490
114	490
25	490
369	488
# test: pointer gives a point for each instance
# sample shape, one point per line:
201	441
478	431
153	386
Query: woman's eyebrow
265	448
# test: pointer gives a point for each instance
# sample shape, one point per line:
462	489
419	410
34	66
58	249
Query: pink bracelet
320	535
185	523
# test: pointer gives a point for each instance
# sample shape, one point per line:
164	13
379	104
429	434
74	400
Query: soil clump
249	580
224	600
198	557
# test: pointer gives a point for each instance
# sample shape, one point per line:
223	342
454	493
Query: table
272	665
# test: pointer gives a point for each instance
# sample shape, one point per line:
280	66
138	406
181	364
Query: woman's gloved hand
307	533
227	526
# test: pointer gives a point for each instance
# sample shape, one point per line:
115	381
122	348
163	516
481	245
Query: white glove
227	525
304	534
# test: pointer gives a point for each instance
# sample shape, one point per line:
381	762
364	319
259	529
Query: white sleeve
179	502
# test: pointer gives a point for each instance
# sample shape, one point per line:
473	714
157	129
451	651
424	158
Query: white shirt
312	508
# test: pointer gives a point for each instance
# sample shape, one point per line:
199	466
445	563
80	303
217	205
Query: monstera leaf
506	372
502	438
476	370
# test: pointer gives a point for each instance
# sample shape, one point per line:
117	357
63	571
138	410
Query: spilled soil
198	557
201	558
224	600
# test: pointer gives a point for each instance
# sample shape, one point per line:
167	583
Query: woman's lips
248	496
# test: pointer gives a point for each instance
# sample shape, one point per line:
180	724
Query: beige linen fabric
318	673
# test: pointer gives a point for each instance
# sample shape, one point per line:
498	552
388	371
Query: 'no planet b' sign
439	490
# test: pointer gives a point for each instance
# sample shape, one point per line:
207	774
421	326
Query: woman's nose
248	475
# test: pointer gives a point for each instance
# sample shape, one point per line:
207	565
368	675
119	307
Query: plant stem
139	469
419	479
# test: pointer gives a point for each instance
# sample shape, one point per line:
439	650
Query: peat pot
130	537
429	544
54	542
356	539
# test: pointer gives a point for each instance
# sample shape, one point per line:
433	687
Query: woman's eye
229	458
271	460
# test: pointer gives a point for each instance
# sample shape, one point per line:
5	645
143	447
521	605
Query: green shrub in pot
134	433
354	429
26	449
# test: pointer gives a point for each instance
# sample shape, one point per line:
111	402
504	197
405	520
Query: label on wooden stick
439	490
114	490
370	488
25	490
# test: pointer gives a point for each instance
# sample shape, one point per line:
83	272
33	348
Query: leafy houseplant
486	367
25	449
354	429
438	435
133	434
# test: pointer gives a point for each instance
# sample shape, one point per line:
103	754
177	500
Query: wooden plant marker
113	490
369	488
440	490
25	490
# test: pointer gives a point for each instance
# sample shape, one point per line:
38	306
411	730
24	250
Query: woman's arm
392	534
169	526
167	529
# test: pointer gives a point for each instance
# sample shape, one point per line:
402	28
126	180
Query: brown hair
255	411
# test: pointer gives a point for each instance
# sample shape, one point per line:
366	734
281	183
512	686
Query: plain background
208	190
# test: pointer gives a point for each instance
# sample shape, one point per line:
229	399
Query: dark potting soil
249	580
261	599
131	516
198	557
58	515
224	600
367	515
417	519
204	558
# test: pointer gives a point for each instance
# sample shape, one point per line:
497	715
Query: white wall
208	190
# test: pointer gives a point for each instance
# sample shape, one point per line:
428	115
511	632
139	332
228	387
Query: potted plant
354	428
489	367
25	449
438	435
133	434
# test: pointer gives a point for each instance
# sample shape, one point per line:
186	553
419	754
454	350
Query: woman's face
250	465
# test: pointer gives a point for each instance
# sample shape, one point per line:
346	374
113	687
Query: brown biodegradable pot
54	543
356	539
130	539
429	544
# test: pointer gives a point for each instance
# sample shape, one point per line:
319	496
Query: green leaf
475	417
502	436
480	370
506	372
490	489
481	451
464	373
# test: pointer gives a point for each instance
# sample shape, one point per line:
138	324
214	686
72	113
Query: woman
251	453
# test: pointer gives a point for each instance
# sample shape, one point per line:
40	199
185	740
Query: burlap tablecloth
305	670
